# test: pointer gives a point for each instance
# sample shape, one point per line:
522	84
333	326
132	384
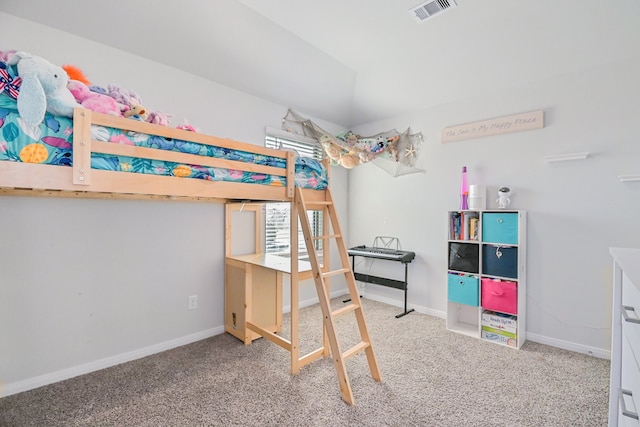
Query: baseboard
571	346
396	303
553	342
65	374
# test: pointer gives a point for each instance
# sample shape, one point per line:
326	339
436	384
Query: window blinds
277	215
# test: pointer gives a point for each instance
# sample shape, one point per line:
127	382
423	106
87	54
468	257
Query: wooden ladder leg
353	290
334	345
320	277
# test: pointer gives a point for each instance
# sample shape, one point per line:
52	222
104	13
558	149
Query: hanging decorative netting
394	152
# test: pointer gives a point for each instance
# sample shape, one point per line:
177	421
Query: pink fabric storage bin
499	295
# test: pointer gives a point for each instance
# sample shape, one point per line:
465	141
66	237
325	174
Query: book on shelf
473	228
455	225
463	225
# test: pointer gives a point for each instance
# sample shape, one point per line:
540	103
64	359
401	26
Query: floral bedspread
51	144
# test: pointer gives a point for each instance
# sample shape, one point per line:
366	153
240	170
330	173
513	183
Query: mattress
51	143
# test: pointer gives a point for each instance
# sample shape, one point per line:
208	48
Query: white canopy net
394	152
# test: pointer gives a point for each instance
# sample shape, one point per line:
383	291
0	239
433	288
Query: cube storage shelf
486	275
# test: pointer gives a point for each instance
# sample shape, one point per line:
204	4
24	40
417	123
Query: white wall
85	284
576	210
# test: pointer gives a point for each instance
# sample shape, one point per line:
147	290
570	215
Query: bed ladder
321	276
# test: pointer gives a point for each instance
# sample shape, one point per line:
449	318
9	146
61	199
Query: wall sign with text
507	124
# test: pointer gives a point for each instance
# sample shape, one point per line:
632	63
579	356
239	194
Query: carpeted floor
431	377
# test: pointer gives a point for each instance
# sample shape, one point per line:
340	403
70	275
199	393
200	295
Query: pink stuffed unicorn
95	101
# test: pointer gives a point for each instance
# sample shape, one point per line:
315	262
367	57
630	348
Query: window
277	218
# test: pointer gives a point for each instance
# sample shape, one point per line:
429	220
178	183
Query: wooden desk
253	287
253	295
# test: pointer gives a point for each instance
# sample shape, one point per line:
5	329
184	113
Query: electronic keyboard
383	253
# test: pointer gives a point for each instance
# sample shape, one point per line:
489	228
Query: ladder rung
355	349
336	272
331	236
345	309
313	203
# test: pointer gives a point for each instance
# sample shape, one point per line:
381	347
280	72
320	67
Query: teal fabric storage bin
463	289
500	227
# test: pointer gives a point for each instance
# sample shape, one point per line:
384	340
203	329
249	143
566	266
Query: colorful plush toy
338	154
123	96
186	126
158	118
76	73
6	55
98	89
10	81
132	100
44	88
137	112
94	101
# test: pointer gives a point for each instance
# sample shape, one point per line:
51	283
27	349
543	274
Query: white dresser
624	398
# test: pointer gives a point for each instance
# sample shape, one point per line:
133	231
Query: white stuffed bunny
44	88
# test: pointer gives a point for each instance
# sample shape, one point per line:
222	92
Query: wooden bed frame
81	181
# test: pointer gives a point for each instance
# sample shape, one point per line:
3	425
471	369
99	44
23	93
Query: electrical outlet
193	302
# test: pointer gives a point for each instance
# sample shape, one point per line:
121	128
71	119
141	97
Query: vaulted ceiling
356	61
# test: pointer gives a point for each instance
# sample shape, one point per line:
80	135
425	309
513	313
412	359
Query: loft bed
94	155
105	156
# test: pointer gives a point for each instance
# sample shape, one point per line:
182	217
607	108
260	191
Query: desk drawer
630	382
624	420
631	315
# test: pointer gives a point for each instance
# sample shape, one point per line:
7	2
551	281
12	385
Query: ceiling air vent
431	8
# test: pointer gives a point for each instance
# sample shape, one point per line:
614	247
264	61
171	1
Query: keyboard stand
397	284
